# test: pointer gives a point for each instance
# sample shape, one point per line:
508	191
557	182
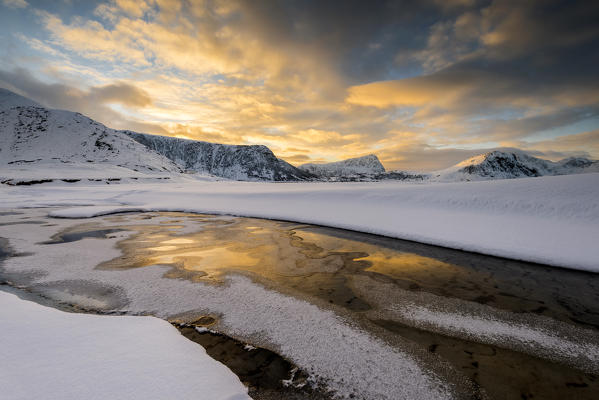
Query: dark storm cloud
361	38
522	67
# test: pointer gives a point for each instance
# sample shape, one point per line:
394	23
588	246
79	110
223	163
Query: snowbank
50	354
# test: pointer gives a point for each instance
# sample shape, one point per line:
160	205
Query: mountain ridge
238	162
60	140
34	135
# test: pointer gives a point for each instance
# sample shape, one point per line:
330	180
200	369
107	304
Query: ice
344	358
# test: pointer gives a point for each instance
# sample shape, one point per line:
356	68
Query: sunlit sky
421	84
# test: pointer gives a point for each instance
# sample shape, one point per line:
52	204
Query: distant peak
368	164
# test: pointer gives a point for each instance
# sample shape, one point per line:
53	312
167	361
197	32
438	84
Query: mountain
579	163
239	162
34	139
30	135
359	168
56	144
512	164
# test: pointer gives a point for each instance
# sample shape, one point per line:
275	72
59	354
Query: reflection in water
177	241
319	261
327	265
162	248
212	260
398	265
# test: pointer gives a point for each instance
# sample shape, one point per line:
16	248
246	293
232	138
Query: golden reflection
178	241
397	265
162	248
393	263
312	260
278	251
207	260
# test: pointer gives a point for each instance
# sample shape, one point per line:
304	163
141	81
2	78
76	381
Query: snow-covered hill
360	167
512	164
238	162
37	141
32	136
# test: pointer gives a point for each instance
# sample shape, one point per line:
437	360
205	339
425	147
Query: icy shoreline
548	220
248	310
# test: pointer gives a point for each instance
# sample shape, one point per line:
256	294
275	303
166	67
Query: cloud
15	3
297	159
417	91
92	102
583	144
418	83
122	93
473	102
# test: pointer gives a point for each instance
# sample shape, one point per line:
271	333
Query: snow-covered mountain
360	167
58	144
512	164
37	139
30	134
239	162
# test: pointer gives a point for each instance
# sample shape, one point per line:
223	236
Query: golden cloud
418	91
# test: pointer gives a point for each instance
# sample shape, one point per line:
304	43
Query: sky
421	84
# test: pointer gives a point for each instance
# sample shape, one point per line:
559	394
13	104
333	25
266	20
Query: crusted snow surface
505	333
512	164
366	165
238	162
349	361
528	333
51	354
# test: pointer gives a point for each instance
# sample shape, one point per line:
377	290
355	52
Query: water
367	279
